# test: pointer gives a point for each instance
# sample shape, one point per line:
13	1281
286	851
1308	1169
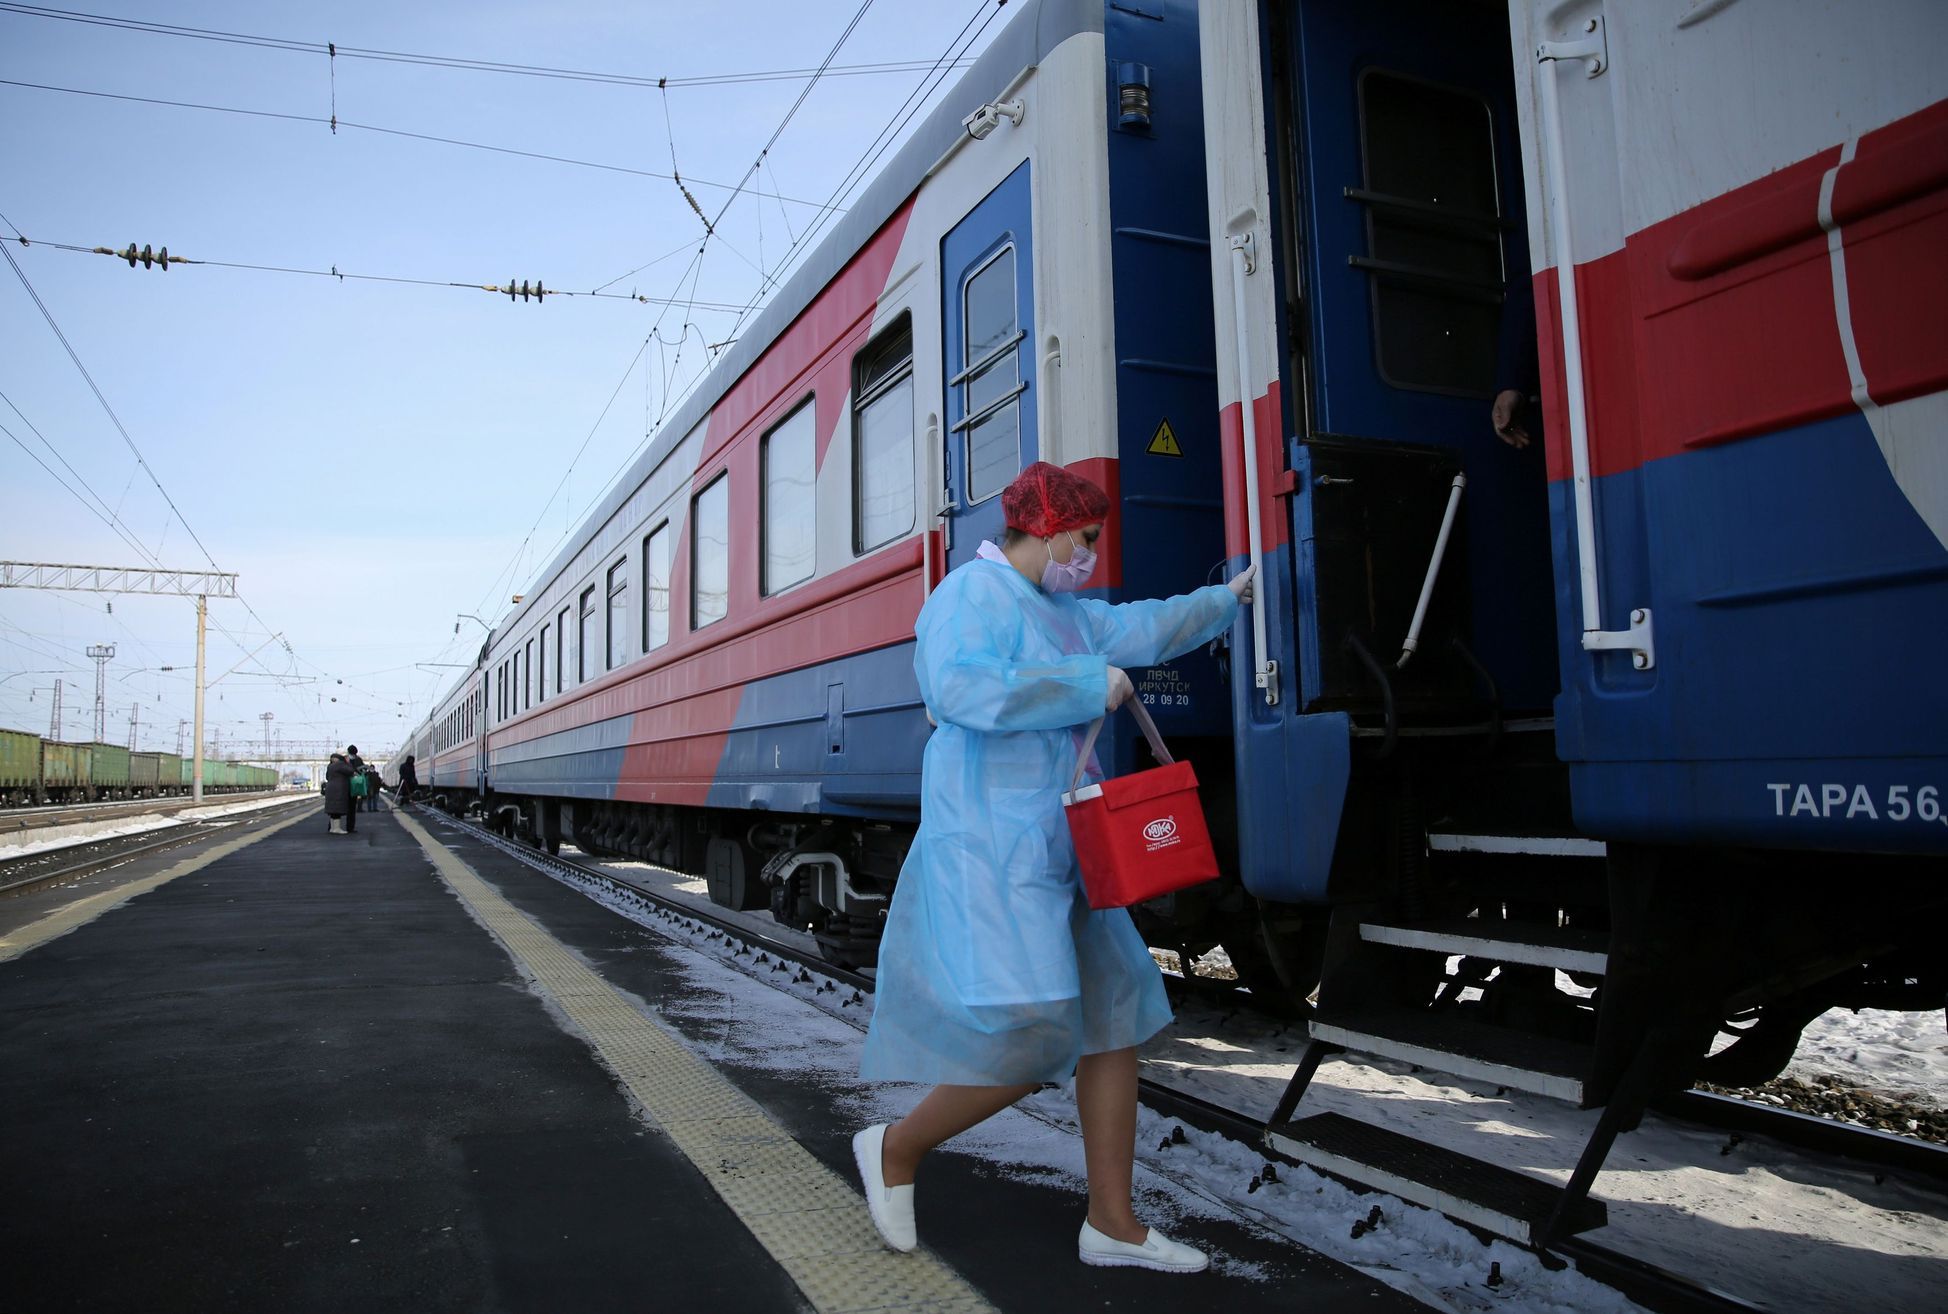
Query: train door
1406	220
988	301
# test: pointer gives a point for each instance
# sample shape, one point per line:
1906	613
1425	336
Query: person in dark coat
357	765
408	780
373	781
338	793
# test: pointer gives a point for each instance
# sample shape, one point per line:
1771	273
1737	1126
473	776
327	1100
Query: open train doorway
1409	303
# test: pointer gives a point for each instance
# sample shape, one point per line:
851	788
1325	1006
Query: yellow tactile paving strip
810	1220
79	913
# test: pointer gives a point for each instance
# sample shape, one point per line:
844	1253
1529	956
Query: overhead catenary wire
522	290
141	460
874	150
379	129
332	50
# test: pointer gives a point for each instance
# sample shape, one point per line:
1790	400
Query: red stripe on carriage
1274	524
1731	330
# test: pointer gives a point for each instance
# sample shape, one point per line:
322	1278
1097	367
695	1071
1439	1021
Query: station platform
402	1069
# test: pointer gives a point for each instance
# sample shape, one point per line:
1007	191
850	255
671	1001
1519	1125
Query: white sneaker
891	1206
1157	1251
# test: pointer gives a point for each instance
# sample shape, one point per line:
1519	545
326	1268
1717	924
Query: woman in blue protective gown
995	976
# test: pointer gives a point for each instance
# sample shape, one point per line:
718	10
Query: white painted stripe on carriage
810	1220
1568	1089
1837	258
1557	846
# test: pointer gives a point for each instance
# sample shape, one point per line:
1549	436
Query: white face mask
1068	576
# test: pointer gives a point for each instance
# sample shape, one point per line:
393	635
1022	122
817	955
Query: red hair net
1046	500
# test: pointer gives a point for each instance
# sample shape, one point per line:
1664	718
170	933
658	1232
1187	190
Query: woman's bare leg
946	1112
1105	1097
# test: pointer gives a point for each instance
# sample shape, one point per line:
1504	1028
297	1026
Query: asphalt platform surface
304	1077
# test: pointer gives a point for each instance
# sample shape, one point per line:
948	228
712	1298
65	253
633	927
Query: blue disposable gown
994	970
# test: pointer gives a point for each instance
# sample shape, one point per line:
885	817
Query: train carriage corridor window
1434	233
882	439
527	676
561	642
584	633
514	687
541	684
618	633
790	501
656	589
710	554
991	374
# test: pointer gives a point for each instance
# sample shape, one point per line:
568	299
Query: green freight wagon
108	773
169	773
145	774
64	771
20	768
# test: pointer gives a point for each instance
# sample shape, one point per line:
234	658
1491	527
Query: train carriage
1642	705
1655	701
716	673
20	768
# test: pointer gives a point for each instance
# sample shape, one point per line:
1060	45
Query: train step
1487	1196
1501	942
1447	1043
1535	846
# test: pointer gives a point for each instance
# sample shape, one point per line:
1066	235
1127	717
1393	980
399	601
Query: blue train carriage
716	673
448	752
1642	724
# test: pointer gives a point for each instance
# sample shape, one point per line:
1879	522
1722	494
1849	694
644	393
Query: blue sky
371	457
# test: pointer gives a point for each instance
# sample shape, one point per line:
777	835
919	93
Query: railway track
30	871
15	820
1652	1285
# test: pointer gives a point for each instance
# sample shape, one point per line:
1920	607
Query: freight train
1589	749
37	771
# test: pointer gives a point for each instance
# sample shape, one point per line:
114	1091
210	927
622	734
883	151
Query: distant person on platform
357	765
372	783
337	790
408	780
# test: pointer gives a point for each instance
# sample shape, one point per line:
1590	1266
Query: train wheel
1279	956
731	875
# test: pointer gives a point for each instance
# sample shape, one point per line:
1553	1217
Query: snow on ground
1770	1224
87	832
753	1024
1902	1053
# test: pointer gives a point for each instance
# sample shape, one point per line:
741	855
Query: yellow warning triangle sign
1164	442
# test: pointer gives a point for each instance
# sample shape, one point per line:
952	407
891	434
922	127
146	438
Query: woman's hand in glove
1120	689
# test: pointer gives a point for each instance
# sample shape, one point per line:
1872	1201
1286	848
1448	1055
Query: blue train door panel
1415	313
988	303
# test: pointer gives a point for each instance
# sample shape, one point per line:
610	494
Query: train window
541	684
561	642
515	681
1433	231
584	633
882	439
991	374
790	527
656	588
710	554
618	634
527	676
